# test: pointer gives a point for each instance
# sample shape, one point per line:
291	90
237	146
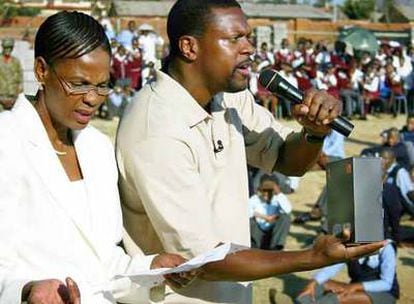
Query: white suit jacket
39	236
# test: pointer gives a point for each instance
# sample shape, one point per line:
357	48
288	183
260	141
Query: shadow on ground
407	233
304	239
407	261
292	286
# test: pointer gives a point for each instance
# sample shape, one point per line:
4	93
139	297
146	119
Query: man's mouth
244	67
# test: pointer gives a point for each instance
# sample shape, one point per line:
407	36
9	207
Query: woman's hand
51	291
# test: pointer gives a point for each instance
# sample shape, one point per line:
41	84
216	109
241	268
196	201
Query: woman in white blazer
60	214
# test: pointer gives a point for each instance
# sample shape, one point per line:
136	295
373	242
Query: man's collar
174	92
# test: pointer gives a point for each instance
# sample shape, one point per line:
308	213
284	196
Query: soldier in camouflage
11	75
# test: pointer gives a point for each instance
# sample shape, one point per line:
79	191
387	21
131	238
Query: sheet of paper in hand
153	277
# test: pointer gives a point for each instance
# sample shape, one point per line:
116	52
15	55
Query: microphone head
270	80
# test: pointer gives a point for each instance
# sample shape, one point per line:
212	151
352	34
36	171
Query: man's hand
271	218
268	218
51	291
330	250
309	290
170	260
167	260
317	111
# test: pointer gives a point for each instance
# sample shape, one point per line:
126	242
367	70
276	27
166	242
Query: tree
9	10
322	3
387	7
359	9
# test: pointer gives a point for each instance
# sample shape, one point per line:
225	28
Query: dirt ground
282	289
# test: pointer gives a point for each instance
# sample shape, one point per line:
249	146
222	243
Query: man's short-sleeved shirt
183	174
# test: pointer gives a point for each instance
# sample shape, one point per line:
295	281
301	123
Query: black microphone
278	85
219	147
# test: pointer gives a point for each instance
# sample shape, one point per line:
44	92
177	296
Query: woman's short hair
69	35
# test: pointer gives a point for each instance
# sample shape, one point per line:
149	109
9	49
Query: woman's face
75	88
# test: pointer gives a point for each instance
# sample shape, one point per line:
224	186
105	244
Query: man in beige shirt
183	144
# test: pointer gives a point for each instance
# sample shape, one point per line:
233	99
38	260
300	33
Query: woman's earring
41	84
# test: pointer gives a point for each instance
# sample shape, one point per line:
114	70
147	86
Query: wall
313	29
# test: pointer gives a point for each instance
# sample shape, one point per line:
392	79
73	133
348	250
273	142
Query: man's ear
188	46
40	69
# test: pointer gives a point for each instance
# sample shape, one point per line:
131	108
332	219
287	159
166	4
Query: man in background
269	216
398	194
11	75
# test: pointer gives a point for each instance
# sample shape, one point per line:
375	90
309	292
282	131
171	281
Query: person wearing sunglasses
11	75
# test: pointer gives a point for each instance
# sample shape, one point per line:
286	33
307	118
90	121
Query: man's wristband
311	138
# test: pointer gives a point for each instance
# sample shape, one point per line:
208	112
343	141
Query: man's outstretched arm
254	264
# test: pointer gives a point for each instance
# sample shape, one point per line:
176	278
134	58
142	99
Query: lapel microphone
218	147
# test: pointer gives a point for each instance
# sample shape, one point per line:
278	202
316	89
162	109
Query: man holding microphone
183	146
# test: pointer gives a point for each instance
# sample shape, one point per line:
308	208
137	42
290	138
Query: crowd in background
136	54
367	83
380	82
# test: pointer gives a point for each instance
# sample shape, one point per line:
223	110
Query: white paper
153	277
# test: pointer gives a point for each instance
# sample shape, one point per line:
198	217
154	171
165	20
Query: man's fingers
182	279
74	292
344	235
174	280
323	113
189	275
172	283
315	106
334	111
358	251
309	96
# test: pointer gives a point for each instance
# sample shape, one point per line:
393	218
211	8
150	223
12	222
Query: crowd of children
380	82
136	53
